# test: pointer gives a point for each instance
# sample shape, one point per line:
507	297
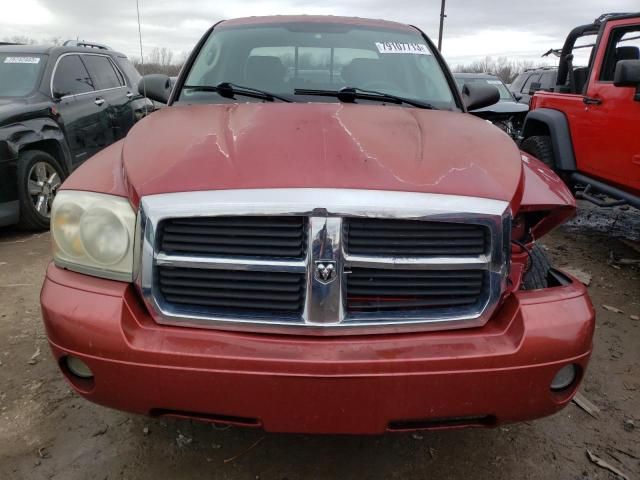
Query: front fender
32	130
546	121
544	193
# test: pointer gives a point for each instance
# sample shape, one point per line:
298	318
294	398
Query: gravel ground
48	432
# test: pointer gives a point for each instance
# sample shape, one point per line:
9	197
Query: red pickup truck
314	236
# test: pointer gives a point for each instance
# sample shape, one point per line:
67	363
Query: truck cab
587	128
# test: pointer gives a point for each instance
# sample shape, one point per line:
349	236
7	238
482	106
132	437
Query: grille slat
380	290
206	274
233	291
279	237
215	240
414	238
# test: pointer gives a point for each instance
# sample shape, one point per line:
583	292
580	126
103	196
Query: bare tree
24	40
504	68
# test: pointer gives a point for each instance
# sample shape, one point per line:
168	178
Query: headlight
93	233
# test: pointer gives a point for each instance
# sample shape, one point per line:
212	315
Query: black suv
532	80
58	107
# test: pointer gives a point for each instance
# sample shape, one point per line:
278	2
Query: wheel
39	177
536	275
540	147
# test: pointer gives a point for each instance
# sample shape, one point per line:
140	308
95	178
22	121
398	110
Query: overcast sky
473	29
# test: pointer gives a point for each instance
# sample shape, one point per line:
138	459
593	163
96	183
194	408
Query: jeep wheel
539	265
39	177
541	148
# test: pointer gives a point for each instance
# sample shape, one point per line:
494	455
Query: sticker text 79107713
400	47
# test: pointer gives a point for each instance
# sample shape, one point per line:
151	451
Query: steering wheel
380	85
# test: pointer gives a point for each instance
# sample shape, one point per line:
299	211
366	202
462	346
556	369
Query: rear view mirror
156	87
477	96
534	87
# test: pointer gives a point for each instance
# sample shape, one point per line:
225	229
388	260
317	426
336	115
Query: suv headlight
93	233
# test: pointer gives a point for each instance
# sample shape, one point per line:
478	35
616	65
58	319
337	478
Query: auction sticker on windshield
399	47
30	60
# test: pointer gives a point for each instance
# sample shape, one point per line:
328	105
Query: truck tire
540	147
539	265
39	177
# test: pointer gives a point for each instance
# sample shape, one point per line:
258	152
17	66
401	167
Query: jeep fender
546	121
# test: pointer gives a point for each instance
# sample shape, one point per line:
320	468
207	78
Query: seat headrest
627	53
263	71
362	70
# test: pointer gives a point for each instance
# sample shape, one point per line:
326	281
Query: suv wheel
39	177
539	265
540	147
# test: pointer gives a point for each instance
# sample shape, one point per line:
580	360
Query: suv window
548	80
624	44
516	85
129	70
19	73
103	72
71	77
533	78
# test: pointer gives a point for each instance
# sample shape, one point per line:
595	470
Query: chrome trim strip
482	262
224	263
322	202
325	306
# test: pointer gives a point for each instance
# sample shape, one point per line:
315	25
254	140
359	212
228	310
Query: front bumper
358	385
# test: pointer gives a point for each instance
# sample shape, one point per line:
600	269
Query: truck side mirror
477	96
534	87
628	75
156	87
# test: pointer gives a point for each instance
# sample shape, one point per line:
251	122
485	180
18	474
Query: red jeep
314	236
588	128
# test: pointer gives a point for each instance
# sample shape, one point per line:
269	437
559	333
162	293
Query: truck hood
319	145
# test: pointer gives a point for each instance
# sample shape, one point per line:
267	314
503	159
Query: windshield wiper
350	94
230	90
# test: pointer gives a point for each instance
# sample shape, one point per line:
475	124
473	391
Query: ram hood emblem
325	271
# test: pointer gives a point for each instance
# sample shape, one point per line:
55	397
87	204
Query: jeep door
607	139
113	88
80	107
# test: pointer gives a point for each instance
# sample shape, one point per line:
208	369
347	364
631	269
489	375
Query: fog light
564	378
78	367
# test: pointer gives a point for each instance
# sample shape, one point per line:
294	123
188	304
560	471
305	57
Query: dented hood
319	145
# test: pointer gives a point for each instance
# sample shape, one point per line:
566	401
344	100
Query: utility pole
442	16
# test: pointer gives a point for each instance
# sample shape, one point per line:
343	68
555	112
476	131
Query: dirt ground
48	432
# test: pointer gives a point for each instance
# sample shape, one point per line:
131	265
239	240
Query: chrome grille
355	261
381	290
232	291
282	237
410	238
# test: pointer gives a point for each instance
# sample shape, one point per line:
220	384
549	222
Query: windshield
505	95
281	58
19	73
